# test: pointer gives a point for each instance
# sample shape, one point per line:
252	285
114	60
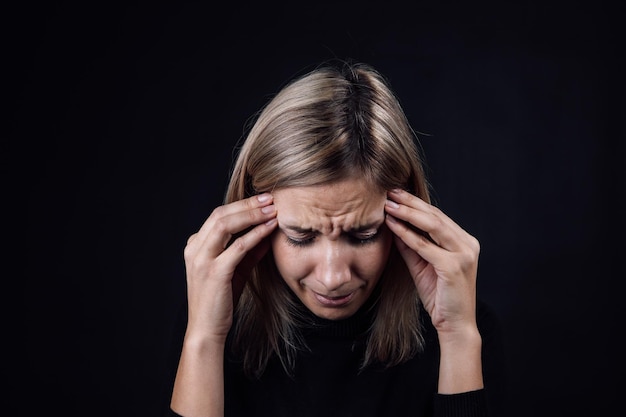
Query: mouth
336	301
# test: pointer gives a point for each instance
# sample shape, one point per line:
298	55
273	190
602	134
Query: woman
327	284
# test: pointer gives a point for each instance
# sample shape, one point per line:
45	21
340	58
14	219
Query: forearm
199	384
460	367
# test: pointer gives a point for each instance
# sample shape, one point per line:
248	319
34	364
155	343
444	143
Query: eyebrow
302	230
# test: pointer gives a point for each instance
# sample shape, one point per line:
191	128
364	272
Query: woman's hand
217	266
443	264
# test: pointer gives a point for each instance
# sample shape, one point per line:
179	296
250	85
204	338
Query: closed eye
300	242
364	239
353	239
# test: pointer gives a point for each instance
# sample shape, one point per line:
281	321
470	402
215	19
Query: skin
331	245
444	270
330	271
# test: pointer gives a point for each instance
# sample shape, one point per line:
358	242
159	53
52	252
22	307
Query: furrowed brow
297	229
372	226
367	227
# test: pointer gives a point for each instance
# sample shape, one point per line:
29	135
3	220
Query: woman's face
331	245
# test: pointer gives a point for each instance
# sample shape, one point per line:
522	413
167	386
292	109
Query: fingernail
392	204
268	209
391	219
263	197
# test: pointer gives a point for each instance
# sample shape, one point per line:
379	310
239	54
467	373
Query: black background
121	126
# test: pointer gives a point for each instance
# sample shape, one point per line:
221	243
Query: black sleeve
492	400
467	404
494	360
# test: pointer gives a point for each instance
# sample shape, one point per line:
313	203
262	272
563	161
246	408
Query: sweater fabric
327	380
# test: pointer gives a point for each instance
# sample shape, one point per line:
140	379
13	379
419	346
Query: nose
333	270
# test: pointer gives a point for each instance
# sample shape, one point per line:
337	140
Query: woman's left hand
444	267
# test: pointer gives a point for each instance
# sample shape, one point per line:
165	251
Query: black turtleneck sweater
327	381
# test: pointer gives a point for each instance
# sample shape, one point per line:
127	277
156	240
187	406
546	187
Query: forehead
330	208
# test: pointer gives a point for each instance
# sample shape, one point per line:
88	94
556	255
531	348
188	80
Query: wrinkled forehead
331	208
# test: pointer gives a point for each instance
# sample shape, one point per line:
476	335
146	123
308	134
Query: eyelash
353	239
300	242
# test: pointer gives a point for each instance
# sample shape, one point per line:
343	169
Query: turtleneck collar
352	327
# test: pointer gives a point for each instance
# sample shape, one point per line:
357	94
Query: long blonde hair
332	123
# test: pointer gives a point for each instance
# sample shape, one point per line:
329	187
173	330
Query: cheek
290	260
373	258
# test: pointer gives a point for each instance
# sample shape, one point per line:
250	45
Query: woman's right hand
217	266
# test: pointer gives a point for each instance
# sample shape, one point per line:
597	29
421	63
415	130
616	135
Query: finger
417	265
220	228
418	253
421	245
446	264
245	266
226	228
411	258
246	244
427	218
240	206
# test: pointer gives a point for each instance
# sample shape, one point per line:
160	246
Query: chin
334	313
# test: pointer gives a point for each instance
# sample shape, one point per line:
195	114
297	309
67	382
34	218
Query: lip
337	301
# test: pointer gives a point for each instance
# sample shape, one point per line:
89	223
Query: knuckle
189	249
475	245
190	239
421	241
471	249
253	216
187	253
435	222
248	203
220	225
239	244
469	257
435	211
217	212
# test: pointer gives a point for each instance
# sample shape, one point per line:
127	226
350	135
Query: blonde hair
333	123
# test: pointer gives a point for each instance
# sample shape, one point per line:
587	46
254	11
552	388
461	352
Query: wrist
201	342
460	366
464	338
